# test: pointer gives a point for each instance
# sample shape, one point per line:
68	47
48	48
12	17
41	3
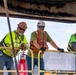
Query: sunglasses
21	29
41	26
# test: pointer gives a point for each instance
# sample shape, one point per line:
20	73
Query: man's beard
20	34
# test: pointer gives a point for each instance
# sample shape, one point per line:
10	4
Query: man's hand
60	49
24	46
43	49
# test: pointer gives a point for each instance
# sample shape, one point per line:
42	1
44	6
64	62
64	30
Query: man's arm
36	44
56	47
53	44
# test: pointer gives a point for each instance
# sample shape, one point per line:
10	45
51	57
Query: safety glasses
41	26
21	29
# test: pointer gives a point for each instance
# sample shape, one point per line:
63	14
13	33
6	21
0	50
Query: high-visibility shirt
17	41
72	39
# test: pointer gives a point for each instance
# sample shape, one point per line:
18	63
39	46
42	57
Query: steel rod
9	26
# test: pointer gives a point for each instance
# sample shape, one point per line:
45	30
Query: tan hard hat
22	25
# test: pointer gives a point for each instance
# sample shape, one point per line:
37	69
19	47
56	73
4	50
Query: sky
58	31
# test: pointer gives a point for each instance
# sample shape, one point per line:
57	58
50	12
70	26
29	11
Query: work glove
24	46
43	49
60	49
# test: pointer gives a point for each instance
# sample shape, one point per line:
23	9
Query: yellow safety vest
17	41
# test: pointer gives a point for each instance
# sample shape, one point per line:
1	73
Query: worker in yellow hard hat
19	40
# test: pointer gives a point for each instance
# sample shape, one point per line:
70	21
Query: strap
17	36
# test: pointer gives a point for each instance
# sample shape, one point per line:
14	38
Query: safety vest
41	42
17	41
72	39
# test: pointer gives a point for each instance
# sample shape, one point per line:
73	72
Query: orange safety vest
41	42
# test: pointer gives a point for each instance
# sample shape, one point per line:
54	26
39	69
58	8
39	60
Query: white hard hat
41	23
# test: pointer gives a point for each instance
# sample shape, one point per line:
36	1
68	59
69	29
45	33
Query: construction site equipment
22	65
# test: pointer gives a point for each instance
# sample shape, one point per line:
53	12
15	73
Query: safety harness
41	42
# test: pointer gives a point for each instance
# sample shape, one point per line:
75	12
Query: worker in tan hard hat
19	40
22	26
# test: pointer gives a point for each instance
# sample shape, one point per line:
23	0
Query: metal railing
30	71
54	71
39	71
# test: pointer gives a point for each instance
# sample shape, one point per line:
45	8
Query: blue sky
59	32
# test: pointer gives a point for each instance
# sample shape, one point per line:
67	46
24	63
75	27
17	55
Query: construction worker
19	40
72	47
38	41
